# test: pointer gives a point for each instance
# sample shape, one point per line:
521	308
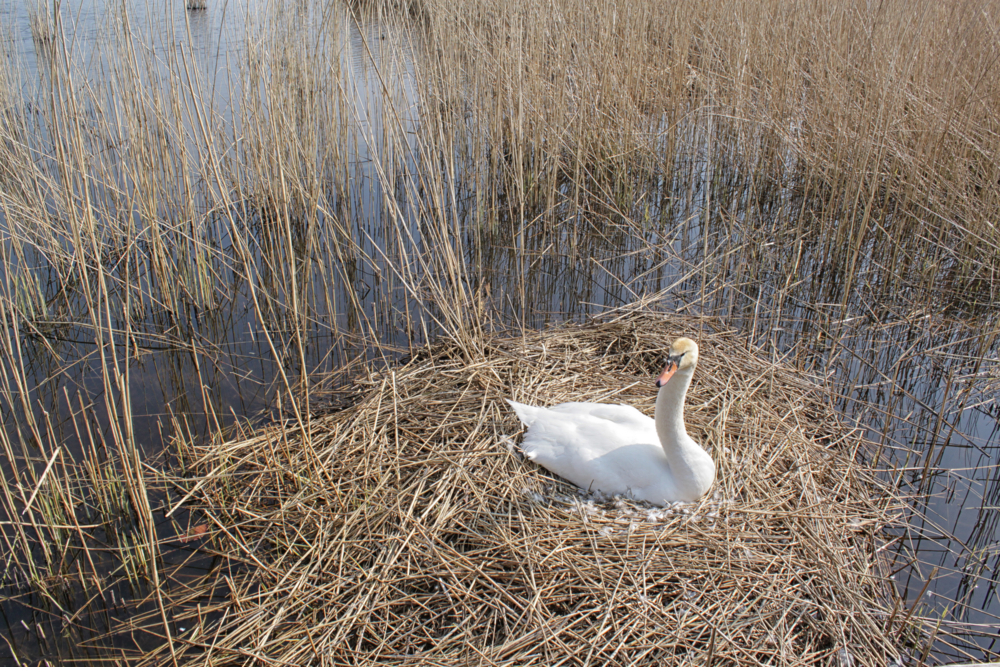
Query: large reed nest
407	529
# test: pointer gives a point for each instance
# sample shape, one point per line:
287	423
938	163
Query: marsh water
912	359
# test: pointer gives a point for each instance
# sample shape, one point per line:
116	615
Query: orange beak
667	373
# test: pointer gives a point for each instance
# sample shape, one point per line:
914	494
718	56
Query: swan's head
683	356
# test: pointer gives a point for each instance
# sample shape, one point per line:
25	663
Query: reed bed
406	528
351	180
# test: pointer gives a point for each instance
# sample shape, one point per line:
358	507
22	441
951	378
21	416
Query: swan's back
526	413
597	446
617	449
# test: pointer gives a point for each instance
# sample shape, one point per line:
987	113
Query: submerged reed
360	179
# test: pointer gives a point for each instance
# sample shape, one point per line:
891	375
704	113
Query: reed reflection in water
204	211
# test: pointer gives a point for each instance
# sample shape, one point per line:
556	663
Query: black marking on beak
673	363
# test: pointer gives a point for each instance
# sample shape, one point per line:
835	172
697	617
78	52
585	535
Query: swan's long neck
669	413
691	468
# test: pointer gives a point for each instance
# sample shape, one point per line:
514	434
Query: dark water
915	362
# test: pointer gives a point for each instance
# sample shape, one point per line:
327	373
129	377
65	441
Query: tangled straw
408	529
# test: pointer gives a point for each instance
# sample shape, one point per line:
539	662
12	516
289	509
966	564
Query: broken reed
854	136
840	126
407	526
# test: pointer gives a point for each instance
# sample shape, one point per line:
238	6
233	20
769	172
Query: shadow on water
215	317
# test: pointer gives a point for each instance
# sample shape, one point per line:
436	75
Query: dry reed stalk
842	103
43	24
866	118
408	530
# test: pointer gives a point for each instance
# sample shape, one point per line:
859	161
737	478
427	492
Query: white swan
612	448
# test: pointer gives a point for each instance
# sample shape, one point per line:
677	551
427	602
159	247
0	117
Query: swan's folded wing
618	416
526	413
583	431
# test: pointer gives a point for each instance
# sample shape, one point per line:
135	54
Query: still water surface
916	371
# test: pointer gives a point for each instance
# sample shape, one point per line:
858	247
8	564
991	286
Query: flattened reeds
407	527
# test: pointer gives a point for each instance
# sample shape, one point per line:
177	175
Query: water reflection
226	291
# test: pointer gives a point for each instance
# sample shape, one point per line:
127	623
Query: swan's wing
526	413
571	433
623	416
612	448
596	455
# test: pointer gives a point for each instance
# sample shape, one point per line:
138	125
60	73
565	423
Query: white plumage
617	449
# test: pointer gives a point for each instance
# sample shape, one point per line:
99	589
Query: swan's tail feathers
526	413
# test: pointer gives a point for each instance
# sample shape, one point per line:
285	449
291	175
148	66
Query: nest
408	529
